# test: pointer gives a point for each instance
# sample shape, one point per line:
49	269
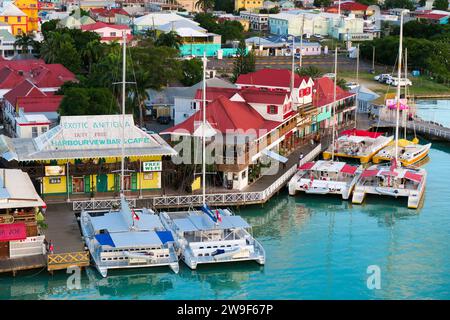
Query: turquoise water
317	248
435	110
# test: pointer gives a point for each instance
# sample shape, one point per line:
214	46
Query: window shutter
87	183
134	181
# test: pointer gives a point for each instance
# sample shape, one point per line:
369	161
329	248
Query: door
102	183
78	184
4	250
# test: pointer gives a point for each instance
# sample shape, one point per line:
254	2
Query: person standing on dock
300	158
50	247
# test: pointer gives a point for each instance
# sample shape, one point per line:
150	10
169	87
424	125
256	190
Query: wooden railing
59	261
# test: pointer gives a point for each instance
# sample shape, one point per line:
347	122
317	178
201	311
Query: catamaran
211	236
410	151
326	176
127	238
393	180
358	144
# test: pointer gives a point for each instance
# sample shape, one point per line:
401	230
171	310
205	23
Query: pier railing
216	199
98	204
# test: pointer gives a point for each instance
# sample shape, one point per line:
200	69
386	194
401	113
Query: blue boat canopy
105	239
165	236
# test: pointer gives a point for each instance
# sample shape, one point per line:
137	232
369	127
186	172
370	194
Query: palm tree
24	41
170	39
52	45
92	53
205	5
310	71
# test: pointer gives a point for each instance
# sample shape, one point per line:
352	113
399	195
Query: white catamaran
127	238
326	176
211	236
393	180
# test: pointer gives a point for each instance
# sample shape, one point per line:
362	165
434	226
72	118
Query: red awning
413	176
369	173
361	133
13	231
349	169
307	166
389	173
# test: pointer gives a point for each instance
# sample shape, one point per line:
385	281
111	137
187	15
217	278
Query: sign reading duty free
151	166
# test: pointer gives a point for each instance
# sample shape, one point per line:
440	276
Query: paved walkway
63	230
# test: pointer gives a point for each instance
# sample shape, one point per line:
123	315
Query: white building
258	22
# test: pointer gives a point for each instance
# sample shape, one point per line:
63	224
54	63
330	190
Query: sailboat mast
399	73
301	42
334	104
122	160
292	67
203	130
406	91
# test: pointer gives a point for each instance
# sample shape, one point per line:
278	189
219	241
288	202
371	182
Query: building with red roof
358	9
109	32
259	121
47	77
279	79
323	97
434	18
28	106
107	15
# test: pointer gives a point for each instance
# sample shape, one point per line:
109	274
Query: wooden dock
23	263
427	129
64	233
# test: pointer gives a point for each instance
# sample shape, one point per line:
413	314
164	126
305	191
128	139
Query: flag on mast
135	216
218	217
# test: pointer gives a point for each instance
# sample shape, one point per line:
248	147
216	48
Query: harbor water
434	110
317	248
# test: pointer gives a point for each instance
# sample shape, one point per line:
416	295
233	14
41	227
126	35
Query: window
112	34
6	19
34	132
43	129
271	109
19	19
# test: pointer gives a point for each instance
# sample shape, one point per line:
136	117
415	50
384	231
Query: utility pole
373	59
357	64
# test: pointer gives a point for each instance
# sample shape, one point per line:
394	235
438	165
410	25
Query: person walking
51	248
300	158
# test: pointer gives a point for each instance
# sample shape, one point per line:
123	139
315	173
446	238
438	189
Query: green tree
230	30
340	82
322	3
49	26
368	2
440	4
205	5
224	5
87	101
310	71
245	62
24	41
170	39
405	4
59	48
192	71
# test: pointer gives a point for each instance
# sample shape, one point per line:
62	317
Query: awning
275	156
349	169
413	176
369	173
361	133
307	166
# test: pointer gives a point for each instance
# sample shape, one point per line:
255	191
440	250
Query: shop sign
55	171
152	166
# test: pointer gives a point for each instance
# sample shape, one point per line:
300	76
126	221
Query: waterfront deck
64	233
21	264
428	129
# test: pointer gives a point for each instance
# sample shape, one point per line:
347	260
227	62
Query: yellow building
248	5
81	157
30	8
15	17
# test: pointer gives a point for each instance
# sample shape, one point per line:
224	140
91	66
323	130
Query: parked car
403	82
352	85
382	78
297	55
163	119
329	75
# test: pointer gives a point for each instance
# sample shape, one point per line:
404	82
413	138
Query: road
324	62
